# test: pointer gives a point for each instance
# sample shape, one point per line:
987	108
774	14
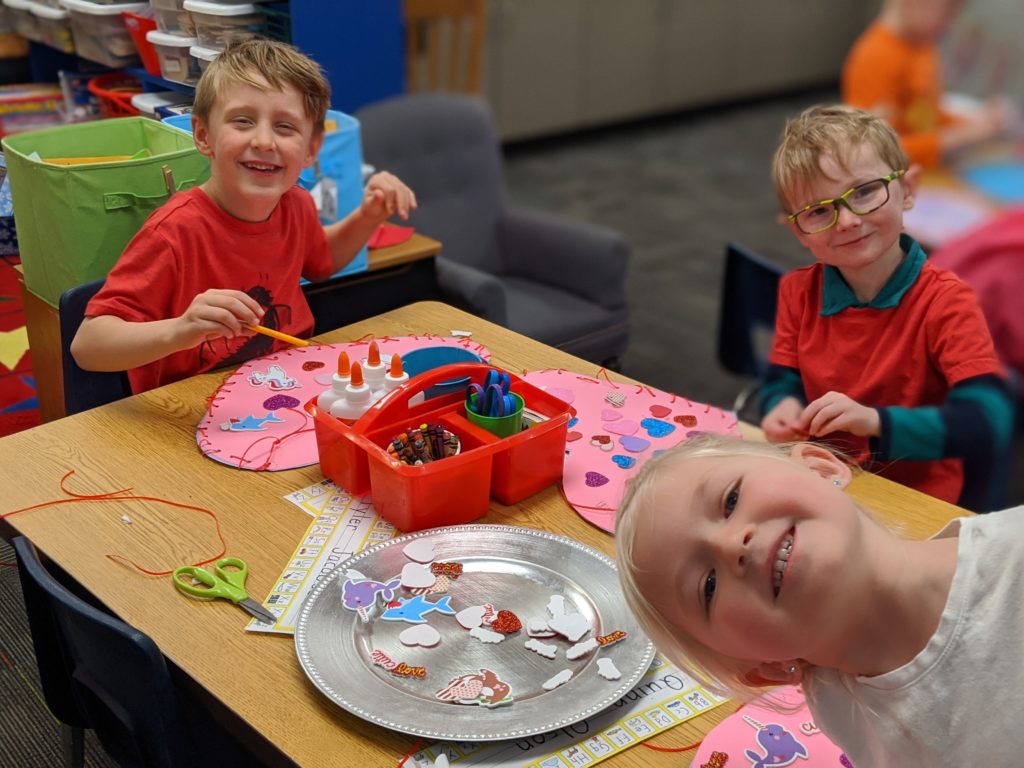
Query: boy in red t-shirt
873	341
229	254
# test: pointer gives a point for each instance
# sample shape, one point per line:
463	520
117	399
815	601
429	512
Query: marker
278	335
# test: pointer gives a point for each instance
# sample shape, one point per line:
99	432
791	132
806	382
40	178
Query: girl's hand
386	195
835	412
781	423
217	313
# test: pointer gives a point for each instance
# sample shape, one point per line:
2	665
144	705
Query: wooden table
394	276
148	442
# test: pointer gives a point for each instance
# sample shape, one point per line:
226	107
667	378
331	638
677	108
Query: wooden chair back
444	42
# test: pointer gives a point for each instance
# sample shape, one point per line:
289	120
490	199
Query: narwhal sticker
779	745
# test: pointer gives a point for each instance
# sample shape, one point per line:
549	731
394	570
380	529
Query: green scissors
230	585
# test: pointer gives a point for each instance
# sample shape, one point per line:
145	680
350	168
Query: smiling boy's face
854	241
258	141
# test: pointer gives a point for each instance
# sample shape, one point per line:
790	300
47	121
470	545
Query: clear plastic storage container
53	26
176	63
203	55
216	23
23	21
172	17
100	32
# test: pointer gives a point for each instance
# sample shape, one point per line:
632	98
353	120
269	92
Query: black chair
104	674
750	287
559	281
84	389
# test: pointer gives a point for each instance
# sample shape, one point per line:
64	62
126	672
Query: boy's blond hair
722	673
832	130
259	62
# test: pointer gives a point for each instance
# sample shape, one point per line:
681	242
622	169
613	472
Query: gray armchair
556	280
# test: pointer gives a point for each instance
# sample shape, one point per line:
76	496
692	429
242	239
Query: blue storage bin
340	165
421	360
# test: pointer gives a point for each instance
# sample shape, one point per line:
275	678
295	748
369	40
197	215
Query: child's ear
910	182
822	461
201	135
772	673
315	143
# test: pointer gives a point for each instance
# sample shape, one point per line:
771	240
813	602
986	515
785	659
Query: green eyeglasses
862	200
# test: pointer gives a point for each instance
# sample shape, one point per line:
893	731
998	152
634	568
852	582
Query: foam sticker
606	668
485	689
617	399
451	570
420	635
539	628
506	622
561	678
624	427
471	617
417	575
361	595
571	626
414	609
556	605
420	550
610	414
441	584
485	635
611	638
581	649
541	649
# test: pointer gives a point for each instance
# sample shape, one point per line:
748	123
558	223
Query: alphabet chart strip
342	525
664	697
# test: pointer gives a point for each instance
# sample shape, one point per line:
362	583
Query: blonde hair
723	673
832	130
259	62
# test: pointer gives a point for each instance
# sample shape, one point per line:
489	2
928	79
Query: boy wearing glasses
872	341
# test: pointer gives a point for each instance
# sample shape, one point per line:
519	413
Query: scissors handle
199	582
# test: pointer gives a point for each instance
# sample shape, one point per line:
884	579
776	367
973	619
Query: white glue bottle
373	368
358	397
339	381
395	377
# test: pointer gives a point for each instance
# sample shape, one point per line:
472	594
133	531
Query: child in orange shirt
894	70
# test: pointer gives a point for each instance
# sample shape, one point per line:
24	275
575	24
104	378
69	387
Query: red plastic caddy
456	489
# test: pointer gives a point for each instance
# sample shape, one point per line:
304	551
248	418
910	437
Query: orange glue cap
357	375
373	357
396	367
344	368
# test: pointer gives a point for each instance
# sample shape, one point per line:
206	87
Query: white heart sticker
416	576
420	550
421	634
471	617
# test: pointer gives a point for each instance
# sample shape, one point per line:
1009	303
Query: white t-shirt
960	701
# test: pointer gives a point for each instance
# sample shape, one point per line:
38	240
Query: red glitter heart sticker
506	622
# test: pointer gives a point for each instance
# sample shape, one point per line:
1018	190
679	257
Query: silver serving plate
517	569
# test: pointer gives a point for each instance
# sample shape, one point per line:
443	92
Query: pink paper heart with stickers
776	729
634	421
257	420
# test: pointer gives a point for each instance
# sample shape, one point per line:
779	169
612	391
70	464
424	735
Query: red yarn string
687	748
276	441
411	752
124	494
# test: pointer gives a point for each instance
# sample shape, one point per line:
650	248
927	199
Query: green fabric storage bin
73	221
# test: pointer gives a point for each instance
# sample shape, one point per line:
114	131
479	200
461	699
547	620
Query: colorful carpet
19	406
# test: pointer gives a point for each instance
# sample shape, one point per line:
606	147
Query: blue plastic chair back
750	289
118	675
84	389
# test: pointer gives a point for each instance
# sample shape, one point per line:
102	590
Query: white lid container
176	63
216	23
22	20
219	9
204	55
147	103
100	9
47	12
53	26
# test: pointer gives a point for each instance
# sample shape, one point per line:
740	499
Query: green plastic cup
502	426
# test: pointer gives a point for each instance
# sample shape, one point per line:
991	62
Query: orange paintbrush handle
278	335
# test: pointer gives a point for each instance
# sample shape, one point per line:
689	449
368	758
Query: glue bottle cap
373	357
344	368
357	375
396	371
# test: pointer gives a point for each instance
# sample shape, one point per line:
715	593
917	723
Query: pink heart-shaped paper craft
421	634
572	437
624	427
417	576
610	414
